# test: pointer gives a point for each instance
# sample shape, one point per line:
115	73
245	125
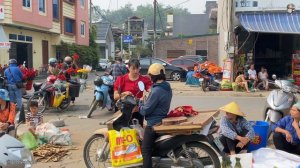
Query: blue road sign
127	39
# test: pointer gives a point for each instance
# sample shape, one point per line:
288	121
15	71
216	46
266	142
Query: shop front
268	39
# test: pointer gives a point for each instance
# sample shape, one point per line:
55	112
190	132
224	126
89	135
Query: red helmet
51	78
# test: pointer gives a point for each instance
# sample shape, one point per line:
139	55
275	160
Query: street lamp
290	8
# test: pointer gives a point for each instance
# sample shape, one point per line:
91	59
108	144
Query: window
157	61
145	61
176	62
13	36
188	62
21	37
82	3
29	38
42	6
55	9
69	26
27	3
82	28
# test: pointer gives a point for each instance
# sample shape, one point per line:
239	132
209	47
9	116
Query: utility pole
122	45
154	29
128	27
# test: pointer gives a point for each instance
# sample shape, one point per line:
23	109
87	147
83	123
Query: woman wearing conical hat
236	131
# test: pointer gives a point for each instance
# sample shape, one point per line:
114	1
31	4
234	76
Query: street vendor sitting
286	135
7	113
236	131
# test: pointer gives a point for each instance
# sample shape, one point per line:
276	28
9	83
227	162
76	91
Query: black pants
230	145
281	143
147	146
22	115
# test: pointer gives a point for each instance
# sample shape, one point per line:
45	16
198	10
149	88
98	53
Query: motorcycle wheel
93	107
41	102
64	104
201	154
90	157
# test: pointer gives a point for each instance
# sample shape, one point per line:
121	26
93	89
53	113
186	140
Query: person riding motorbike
7	113
52	68
69	67
128	85
155	109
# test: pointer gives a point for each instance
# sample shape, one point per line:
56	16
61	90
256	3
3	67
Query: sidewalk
180	88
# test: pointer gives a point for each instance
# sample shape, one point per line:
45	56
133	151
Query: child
33	118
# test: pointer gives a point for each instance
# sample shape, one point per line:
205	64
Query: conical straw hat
232	108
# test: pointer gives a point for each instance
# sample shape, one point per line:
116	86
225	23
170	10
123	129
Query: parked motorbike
280	101
178	151
103	94
13	153
52	93
209	82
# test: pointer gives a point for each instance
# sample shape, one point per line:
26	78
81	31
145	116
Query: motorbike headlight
24	154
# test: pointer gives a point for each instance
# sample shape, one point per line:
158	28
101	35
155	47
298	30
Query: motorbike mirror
274	76
164	64
141	86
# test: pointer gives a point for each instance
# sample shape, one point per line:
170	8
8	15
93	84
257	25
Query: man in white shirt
252	75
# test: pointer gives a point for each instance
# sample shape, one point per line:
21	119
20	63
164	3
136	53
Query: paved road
82	129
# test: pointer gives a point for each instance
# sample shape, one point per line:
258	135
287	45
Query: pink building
36	27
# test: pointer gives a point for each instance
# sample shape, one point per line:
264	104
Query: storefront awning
271	22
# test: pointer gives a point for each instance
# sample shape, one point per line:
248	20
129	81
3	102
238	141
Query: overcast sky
194	6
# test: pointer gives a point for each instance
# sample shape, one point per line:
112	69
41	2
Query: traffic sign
127	39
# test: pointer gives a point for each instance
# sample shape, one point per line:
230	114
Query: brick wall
189	45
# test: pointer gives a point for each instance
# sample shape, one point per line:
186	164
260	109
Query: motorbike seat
37	86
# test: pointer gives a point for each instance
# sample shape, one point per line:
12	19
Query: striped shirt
36	119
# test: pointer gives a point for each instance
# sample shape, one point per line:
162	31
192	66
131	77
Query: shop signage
1	12
4	45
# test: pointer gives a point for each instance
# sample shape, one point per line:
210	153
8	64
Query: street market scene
152	83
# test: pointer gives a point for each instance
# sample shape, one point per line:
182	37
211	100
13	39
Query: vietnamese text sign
4	44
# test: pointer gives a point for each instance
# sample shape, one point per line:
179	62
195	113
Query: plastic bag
58	98
46	130
139	129
266	157
29	140
63	138
124	147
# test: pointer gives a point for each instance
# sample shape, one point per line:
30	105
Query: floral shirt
231	130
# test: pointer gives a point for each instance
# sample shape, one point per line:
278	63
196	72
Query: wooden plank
198	121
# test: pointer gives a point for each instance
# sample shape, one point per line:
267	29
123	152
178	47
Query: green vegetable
238	163
226	162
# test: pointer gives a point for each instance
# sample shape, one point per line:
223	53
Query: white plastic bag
266	157
46	130
63	138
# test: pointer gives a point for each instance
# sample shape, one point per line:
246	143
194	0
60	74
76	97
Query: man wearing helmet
53	69
14	76
155	109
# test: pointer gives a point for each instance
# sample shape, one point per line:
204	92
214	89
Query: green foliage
118	17
88	54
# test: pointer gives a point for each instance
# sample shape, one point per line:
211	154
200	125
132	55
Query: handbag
18	84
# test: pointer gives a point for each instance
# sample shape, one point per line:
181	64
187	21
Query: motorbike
52	93
280	101
13	153
195	150
208	81
103	94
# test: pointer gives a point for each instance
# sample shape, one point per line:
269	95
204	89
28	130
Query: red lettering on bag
121	140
